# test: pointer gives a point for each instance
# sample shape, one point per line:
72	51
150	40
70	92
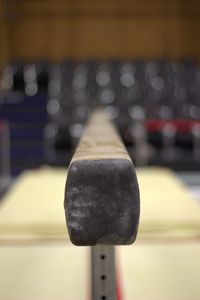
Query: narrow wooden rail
102	195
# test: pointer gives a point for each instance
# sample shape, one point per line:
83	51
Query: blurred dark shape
23	106
157	99
153	103
29	78
5	178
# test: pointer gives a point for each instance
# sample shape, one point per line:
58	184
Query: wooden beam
102	195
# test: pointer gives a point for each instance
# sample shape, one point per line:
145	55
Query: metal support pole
103	276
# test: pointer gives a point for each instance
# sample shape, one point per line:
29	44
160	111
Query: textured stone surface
102	195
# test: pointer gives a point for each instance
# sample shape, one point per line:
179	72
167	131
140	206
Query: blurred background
60	59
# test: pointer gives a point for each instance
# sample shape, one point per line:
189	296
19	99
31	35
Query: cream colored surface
153	272
167	208
33	207
44	273
100	140
160	271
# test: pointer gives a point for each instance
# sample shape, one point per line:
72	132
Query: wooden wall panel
4	51
83	29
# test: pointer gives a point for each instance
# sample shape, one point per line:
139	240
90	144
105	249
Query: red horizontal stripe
180	125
